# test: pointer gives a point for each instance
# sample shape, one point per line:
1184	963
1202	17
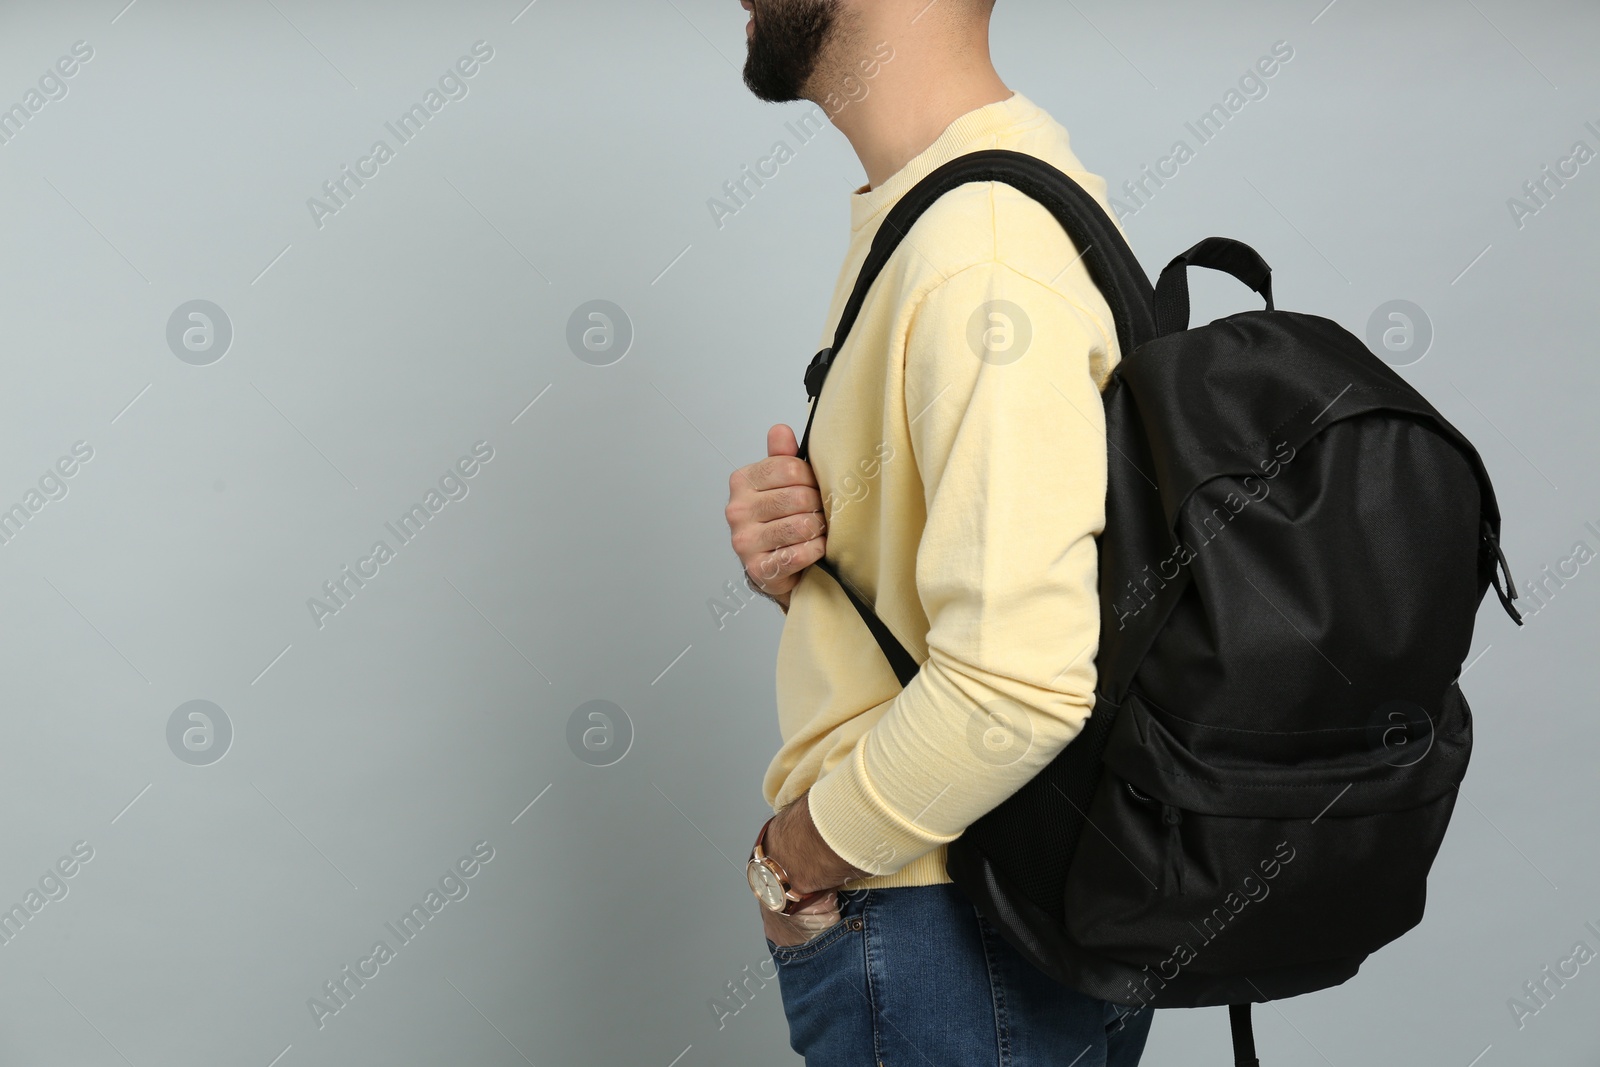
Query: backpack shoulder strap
1105	253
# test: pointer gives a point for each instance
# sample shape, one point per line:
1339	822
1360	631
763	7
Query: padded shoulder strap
1106	255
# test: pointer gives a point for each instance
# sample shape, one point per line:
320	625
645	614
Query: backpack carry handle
1218	253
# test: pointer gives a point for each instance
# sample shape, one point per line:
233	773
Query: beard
788	38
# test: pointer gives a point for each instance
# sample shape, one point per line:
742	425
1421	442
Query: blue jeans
914	977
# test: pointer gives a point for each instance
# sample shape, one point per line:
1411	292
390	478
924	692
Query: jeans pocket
851	920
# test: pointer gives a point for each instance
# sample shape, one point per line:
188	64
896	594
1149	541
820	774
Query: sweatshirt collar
956	140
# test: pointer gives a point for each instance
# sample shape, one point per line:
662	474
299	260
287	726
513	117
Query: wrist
812	865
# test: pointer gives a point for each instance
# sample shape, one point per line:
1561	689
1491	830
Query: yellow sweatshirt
960	450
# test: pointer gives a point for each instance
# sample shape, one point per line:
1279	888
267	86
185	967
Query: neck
914	97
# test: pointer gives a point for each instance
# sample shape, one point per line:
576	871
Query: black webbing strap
1111	264
905	668
1218	253
1244	1038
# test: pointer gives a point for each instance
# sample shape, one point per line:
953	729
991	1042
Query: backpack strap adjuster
817	372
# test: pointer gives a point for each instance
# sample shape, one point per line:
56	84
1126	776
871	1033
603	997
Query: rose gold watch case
771	881
776	877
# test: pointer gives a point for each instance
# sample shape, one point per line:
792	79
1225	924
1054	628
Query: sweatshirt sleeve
1007	427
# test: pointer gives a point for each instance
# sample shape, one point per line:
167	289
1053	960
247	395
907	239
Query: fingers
776	567
770	521
804	923
756	543
809	926
781	469
775	514
799	502
774	472
828	903
773	504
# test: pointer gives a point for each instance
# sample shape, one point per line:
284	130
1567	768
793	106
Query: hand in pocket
815	918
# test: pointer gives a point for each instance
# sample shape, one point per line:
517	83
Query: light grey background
371	353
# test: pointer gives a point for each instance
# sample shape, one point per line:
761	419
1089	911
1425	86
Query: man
957	477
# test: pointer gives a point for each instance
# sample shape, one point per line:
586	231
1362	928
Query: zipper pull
1173	874
1497	564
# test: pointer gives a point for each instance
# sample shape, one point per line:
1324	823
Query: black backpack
1296	545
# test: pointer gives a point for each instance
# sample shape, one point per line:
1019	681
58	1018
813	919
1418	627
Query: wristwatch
770	882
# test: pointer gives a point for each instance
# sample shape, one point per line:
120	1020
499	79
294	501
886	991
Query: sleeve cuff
859	826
